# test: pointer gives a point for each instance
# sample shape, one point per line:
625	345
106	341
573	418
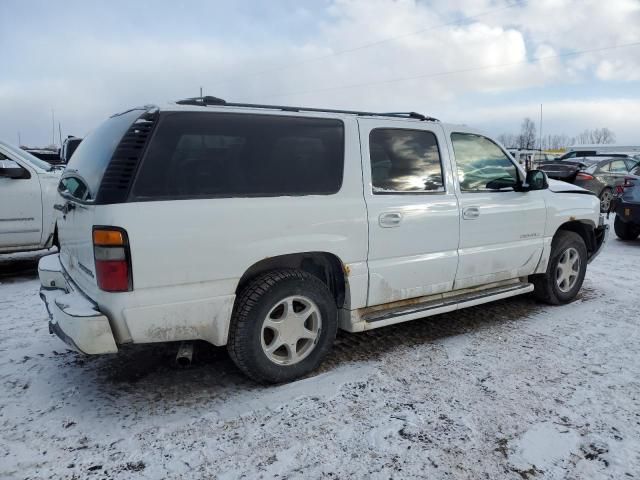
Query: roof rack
209	100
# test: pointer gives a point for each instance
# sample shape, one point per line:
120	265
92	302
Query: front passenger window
482	165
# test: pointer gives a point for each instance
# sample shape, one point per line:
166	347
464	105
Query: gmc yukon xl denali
267	228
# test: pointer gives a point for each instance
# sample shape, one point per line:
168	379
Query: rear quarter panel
189	255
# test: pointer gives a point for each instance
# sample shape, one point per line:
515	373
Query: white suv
267	228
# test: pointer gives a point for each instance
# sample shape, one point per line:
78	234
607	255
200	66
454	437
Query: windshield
27	157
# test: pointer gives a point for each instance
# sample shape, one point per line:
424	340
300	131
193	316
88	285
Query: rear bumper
627	212
72	316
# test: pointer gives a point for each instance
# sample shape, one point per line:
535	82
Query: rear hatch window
90	160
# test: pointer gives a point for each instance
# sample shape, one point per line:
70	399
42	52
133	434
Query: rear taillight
628	183
584	176
112	256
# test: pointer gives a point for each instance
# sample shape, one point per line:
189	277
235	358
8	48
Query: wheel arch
324	265
584	228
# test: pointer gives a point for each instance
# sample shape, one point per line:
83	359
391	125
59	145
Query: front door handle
470	213
390	219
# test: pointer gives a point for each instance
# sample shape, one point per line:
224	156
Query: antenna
541	127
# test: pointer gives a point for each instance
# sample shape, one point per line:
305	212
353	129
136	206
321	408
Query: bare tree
602	135
509	140
527	137
596	136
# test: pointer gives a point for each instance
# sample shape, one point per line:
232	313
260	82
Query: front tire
283	325
625	230
565	271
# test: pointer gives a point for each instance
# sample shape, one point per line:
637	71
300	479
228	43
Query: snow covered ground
508	390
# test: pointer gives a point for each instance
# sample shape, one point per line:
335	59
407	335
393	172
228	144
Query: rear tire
626	230
283	325
605	199
565	271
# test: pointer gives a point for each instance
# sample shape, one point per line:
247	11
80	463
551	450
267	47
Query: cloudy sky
486	63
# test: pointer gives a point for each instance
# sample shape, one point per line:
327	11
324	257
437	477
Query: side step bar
390	316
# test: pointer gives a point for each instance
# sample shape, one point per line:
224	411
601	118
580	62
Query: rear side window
92	156
196	155
482	165
405	161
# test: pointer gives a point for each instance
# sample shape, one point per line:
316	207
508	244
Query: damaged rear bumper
72	316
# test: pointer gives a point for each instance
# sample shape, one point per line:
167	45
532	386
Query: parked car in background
267	228
626	205
530	158
49	155
576	151
27	193
68	147
598	174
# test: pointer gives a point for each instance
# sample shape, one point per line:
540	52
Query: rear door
501	230
412	210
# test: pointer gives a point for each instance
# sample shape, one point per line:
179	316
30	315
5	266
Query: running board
390	316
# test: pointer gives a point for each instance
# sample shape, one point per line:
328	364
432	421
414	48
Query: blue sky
86	60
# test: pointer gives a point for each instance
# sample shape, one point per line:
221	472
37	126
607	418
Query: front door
20	209
412	210
501	230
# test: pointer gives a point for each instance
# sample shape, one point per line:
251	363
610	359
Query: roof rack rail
416	115
209	100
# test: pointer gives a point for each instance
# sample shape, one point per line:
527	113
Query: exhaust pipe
185	354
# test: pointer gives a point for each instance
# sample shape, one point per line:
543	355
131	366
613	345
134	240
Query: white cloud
85	78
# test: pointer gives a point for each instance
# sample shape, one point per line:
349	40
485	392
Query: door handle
470	213
390	219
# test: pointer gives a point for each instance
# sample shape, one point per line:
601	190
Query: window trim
444	191
457	180
132	197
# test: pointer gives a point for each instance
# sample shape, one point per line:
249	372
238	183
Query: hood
557	186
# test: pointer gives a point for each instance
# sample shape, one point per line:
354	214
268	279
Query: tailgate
80	188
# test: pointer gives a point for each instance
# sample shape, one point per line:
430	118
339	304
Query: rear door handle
390	219
470	213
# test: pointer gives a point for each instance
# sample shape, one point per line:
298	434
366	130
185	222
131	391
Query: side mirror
11	169
536	180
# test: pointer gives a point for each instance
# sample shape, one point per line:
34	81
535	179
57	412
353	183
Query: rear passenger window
209	154
482	165
404	161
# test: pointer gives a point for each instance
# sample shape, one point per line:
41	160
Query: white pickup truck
267	228
27	193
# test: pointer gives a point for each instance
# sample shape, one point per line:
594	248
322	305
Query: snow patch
325	385
544	446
